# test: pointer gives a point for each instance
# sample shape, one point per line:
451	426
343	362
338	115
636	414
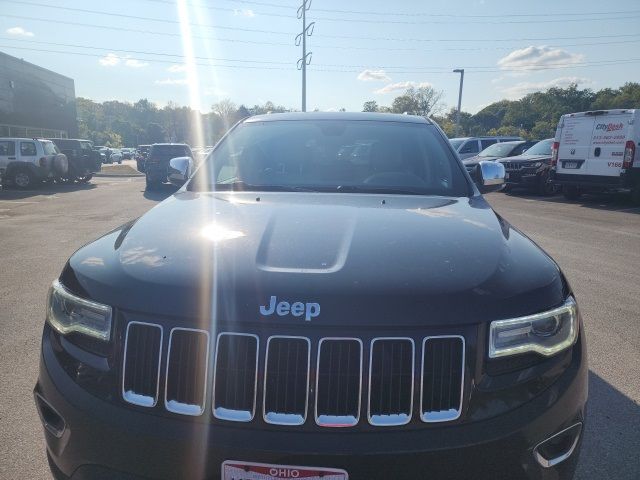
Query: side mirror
490	176
179	170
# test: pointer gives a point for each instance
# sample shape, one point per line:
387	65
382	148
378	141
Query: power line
399	39
327	19
351	68
148	19
163	54
411	14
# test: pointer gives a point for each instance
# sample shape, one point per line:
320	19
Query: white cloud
19	32
133	63
243	12
112	60
171	81
521	89
373	76
177	68
394	87
531	58
109	60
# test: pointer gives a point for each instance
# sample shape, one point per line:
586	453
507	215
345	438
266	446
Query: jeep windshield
319	155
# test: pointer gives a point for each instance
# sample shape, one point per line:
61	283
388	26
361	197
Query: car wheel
544	187
85	178
22	179
571	192
506	188
151	186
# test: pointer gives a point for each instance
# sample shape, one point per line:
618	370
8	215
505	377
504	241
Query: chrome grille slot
286	380
442	378
338	382
141	363
391	368
186	376
236	376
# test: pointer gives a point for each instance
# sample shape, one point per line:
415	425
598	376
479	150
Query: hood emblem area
308	310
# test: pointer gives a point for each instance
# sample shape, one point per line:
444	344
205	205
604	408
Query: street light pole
461	72
301	38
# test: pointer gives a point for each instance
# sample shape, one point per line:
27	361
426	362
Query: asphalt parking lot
596	241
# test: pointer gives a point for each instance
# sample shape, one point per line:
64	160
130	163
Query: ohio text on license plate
232	470
570	164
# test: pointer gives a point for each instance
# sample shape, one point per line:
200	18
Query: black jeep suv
84	161
157	162
295	313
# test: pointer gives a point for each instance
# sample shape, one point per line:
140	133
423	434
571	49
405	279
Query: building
34	101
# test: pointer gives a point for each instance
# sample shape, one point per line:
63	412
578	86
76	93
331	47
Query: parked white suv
594	151
25	162
470	146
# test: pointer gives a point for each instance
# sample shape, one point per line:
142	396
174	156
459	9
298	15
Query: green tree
370	106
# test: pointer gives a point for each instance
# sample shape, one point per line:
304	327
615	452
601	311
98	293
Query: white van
594	151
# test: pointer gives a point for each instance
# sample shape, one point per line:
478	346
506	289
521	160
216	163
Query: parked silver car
470	146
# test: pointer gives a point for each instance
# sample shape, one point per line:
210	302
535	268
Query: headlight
68	313
546	333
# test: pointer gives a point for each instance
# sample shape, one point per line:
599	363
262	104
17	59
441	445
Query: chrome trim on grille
388	420
275	418
447	415
229	414
182	408
132	397
333	421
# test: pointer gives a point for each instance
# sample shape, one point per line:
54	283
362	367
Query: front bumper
105	440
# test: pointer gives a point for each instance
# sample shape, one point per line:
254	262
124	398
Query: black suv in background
157	161
141	156
84	161
531	169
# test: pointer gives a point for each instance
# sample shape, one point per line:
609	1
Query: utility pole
461	72
301	38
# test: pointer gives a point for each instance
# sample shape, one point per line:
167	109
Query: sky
198	52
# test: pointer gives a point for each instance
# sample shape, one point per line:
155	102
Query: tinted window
7	147
28	149
170	151
470	147
541	148
328	155
498	150
487	142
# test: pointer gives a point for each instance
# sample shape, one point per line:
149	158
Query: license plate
506	176
570	164
233	470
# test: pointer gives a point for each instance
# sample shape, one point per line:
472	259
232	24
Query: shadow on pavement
603	201
611	445
163	191
12	193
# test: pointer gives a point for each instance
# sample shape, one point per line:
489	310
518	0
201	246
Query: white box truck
595	151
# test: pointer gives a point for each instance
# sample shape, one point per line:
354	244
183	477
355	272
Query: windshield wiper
374	189
241	186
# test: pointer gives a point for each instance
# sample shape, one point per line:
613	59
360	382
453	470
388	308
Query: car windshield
498	150
456	142
170	151
541	148
390	157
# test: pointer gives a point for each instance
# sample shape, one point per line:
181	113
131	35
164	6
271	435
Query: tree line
534	116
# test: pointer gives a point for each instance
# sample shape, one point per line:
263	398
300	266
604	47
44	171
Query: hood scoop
301	243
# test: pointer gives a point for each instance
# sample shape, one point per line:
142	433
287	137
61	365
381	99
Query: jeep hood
365	259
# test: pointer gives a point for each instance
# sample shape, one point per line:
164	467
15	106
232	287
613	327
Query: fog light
559	447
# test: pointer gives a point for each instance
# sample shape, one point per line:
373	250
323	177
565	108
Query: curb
118	175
